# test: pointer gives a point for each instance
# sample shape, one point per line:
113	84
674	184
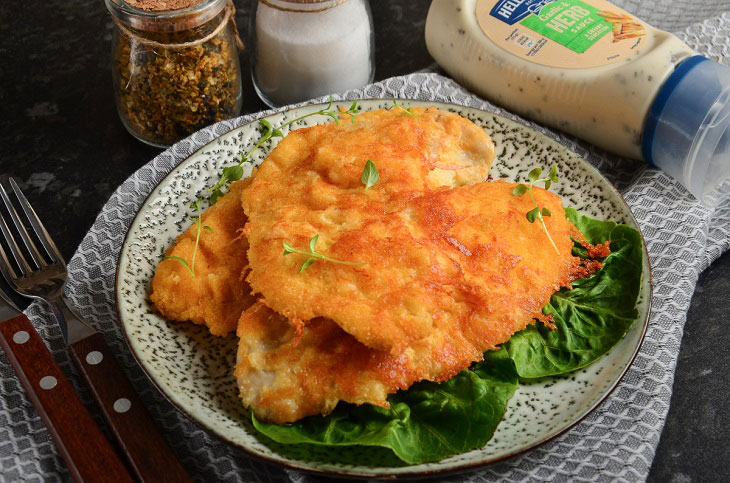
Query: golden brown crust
464	261
284	378
310	184
218	293
453	269
450	255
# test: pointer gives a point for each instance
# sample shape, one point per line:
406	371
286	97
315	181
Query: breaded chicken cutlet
474	275
311	185
217	294
451	266
412	146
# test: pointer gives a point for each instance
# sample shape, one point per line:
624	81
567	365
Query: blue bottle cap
687	132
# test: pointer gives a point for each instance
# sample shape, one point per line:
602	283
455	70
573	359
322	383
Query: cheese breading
451	266
448	254
217	294
311	184
465	261
284	377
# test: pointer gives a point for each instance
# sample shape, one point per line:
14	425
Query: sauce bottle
593	70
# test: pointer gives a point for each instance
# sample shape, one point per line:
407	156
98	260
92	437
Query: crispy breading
311	184
284	377
217	294
453	267
449	255
317	167
464	261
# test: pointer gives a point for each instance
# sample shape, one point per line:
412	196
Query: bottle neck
660	104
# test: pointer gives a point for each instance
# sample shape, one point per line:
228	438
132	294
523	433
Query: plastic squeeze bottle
593	70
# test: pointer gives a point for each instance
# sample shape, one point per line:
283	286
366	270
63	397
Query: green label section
571	23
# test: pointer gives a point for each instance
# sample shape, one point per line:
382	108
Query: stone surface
62	140
695	442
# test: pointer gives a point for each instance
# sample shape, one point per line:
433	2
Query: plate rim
388	475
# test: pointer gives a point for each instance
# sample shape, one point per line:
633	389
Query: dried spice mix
175	71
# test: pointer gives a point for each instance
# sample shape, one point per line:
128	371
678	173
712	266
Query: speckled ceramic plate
194	369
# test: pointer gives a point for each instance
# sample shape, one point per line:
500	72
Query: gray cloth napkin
615	442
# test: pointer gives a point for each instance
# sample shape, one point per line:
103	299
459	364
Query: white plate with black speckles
194	369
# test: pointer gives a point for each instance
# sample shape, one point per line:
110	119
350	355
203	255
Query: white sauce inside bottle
601	97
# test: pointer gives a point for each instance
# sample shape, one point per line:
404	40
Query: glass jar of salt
309	48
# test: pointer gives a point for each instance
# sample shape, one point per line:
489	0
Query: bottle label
562	33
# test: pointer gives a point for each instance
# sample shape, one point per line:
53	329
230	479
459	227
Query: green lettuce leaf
593	316
428	422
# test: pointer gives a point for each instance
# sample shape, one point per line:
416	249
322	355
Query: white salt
301	55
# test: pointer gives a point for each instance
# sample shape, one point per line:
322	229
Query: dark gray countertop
62	140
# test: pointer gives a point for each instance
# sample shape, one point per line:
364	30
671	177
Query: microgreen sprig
235	172
370	174
538	213
408	111
313	255
199	223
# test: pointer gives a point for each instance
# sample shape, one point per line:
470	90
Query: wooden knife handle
89	456
131	425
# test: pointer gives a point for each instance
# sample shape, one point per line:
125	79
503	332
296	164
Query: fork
131	426
72	428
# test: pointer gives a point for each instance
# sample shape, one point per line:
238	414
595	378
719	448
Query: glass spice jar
303	49
175	70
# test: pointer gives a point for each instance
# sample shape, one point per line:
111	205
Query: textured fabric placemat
615	442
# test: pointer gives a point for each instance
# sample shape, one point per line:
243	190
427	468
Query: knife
145	449
88	455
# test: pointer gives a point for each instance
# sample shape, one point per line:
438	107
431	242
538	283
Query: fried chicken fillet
452	266
311	184
465	262
217	294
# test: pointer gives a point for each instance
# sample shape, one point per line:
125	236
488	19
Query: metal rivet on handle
48	382
21	337
122	405
94	357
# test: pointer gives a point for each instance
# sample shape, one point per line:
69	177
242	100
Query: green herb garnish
370	174
198	222
538	213
235	172
408	111
429	421
313	255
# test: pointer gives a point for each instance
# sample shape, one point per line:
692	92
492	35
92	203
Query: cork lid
165	15
302	5
162	5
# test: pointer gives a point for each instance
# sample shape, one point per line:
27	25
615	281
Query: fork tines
21	267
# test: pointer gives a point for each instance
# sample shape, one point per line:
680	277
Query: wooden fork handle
89	456
129	422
